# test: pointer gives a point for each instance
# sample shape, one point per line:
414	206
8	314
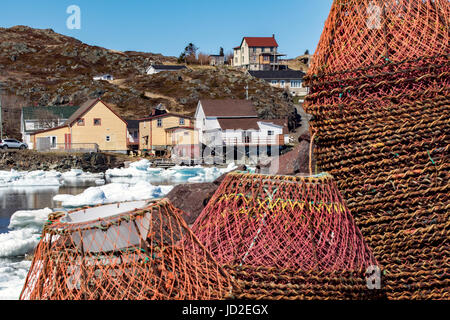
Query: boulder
192	198
290	164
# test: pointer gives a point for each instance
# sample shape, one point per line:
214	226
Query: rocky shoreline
29	160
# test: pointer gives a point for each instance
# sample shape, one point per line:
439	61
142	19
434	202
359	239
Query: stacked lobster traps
380	103
286	237
127	251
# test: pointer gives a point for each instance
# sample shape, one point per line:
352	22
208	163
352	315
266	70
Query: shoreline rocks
29	160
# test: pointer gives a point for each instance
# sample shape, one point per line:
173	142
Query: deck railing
71	147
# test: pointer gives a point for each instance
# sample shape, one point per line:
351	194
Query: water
13	270
31	198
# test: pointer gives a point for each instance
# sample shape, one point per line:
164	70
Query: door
68	141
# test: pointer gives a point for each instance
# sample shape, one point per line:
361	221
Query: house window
53	142
270	133
97	122
296	84
181	121
274	82
282	82
135	134
80	122
108	138
159	123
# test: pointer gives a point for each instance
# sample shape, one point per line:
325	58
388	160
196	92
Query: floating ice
177	174
114	192
32	178
37	178
25	230
12	278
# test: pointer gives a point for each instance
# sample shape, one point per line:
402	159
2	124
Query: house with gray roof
34	119
290	80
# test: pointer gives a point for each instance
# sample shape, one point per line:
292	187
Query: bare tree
46	119
11	111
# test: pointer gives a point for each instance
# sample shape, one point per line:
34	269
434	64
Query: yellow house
94	126
160	133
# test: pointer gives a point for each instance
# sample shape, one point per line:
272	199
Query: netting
369	32
270	283
137	254
280	221
382	130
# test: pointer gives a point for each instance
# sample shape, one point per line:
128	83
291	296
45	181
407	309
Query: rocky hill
41	67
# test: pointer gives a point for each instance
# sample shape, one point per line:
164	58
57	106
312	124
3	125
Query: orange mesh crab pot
370	32
286	238
379	96
128	251
285	222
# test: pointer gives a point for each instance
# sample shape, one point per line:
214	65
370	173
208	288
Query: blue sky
166	26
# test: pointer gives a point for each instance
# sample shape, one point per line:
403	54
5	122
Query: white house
231	122
257	53
33	119
105	77
156	68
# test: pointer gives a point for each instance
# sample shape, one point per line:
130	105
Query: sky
167	26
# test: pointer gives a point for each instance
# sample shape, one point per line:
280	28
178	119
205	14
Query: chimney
273	35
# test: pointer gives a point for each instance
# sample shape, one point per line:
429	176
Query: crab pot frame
381	118
124	254
280	221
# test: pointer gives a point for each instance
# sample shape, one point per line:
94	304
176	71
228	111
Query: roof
132	124
166	115
277	74
180	128
82	110
167	67
279	122
239	124
85	107
250	123
228	108
260	41
62	112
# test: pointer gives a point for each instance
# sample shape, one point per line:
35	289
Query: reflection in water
32	198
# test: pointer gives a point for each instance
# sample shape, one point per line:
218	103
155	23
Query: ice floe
114	192
13	178
24	231
12	278
176	174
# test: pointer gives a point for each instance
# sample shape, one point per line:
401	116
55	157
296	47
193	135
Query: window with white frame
274	82
159	123
296	84
282	83
181	121
108	138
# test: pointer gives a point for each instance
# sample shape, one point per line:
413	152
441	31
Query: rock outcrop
31	160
